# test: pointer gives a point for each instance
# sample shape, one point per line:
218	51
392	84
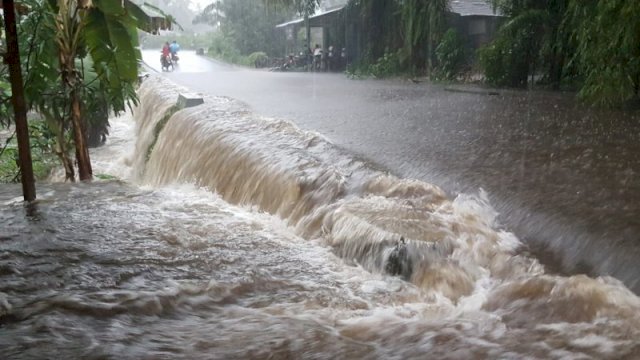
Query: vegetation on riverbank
42	153
79	63
587	46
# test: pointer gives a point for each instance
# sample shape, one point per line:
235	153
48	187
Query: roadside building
475	20
327	27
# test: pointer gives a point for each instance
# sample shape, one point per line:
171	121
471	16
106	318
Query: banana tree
105	31
54	38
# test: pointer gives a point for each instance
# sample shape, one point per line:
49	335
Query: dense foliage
244	27
451	55
606	36
589	45
80	62
407	29
43	159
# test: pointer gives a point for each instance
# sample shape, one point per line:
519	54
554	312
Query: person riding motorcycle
165	58
174	48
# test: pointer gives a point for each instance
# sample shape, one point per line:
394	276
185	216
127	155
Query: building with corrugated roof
476	20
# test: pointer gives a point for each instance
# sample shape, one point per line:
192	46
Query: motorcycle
175	58
166	62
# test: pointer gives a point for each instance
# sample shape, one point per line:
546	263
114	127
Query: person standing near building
317	58
330	60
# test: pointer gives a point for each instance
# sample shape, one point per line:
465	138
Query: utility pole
12	58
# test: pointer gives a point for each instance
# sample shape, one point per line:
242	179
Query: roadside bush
387	65
504	62
258	59
223	48
451	56
491	58
43	159
516	51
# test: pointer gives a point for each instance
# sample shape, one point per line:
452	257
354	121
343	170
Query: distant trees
245	27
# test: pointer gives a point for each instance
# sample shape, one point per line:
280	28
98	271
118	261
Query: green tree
245	27
406	29
592	44
451	55
105	32
423	23
514	54
65	40
606	36
526	44
379	22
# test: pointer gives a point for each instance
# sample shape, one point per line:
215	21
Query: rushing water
235	236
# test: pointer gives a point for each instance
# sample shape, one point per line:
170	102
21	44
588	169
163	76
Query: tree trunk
556	70
307	26
61	152
69	173
80	138
70	79
557	61
68	37
18	101
429	52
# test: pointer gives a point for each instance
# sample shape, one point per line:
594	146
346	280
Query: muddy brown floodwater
562	176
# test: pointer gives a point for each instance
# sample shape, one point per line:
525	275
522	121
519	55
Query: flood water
562	176
236	236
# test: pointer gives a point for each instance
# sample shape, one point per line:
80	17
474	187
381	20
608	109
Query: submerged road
563	177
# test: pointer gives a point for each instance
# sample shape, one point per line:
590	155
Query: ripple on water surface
110	270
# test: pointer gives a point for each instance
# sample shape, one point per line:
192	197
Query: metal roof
473	8
461	7
297	21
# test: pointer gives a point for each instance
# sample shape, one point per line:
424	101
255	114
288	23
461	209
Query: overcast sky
201	3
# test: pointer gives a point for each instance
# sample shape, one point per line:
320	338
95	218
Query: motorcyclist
165	58
174	48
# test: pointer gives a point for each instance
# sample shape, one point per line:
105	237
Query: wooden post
12	58
307	27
